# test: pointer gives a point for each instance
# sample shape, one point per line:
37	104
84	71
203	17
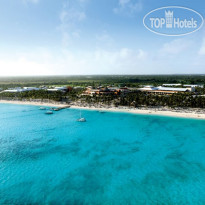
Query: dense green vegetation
138	99
117	80
43	94
135	99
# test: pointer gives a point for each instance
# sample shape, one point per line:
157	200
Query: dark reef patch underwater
112	159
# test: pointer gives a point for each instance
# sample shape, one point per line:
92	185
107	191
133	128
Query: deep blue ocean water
113	158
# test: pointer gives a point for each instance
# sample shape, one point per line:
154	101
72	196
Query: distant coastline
188	113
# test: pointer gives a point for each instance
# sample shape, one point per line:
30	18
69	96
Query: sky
85	37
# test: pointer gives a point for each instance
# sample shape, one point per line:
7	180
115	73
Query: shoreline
148	111
16	102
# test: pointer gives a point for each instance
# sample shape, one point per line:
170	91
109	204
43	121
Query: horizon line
70	75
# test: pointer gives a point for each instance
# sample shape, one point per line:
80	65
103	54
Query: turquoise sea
112	159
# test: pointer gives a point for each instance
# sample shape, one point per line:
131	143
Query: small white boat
56	109
49	112
42	108
81	119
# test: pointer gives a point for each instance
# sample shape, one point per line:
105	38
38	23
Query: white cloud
142	54
31	1
202	49
177	56
123	2
128	7
104	40
63	16
70	16
102	61
175	47
22	66
43	62
35	62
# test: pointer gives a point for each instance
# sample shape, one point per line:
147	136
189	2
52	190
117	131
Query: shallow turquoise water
113	158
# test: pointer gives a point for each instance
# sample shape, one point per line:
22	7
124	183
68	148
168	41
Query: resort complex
149	89
106	90
26	89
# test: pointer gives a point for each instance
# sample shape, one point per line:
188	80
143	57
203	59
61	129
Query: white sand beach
184	113
37	103
148	111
